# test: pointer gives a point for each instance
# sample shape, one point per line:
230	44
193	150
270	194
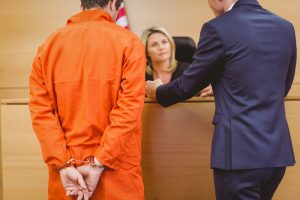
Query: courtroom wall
26	24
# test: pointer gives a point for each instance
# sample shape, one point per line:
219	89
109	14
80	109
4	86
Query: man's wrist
94	162
98	163
69	163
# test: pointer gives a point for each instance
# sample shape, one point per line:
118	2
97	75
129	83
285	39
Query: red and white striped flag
121	18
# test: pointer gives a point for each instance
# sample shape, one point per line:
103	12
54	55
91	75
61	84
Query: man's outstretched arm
207	63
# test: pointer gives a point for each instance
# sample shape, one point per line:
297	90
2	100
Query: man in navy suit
248	54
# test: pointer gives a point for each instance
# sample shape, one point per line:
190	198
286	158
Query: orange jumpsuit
87	93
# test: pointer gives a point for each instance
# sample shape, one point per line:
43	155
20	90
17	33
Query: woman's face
158	48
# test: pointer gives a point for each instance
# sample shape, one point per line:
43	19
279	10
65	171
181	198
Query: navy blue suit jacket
248	55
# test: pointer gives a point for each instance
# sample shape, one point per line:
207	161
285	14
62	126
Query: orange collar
90	15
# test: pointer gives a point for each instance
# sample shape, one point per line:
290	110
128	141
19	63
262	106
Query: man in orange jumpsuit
86	100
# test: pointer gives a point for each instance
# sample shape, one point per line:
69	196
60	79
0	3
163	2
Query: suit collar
246	2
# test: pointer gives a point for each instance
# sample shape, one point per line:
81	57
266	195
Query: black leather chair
185	48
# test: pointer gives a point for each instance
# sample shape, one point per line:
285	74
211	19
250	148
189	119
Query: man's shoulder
125	34
237	17
281	20
127	38
221	21
52	37
121	35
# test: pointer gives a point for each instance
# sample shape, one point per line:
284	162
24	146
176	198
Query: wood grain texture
26	24
175	152
289	187
24	173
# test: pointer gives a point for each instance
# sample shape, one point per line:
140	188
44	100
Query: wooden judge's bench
175	152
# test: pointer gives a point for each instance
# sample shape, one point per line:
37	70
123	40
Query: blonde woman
160	52
161	62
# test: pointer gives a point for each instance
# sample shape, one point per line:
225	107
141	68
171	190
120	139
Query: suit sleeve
292	66
207	62
125	117
45	120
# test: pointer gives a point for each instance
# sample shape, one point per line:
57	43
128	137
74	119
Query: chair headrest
185	48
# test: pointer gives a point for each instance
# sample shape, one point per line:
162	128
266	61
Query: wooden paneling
24	173
26	24
295	90
14	92
289	187
175	152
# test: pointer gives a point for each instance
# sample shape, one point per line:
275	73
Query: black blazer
249	56
181	66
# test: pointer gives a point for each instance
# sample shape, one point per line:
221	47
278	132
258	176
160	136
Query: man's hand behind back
74	183
91	176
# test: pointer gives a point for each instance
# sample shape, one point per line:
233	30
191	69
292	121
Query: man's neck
229	5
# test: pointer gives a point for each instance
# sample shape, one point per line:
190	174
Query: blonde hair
145	36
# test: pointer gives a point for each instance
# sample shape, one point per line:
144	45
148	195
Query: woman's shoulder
181	66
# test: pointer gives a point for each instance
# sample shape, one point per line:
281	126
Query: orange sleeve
126	115
45	120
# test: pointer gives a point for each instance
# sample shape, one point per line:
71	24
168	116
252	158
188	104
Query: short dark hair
88	4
